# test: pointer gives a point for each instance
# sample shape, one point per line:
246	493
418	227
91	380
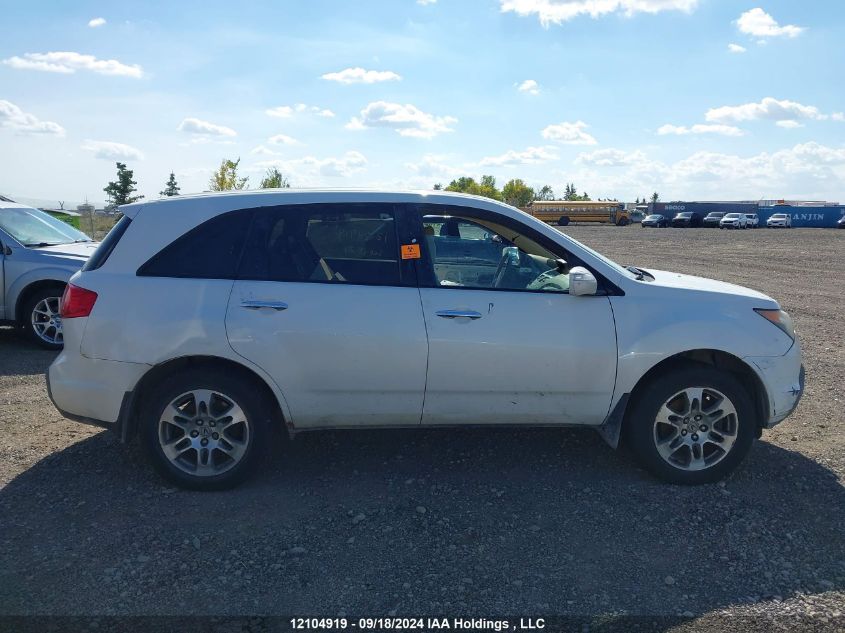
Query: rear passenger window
211	250
355	244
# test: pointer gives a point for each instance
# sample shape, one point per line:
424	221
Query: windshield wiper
43	244
639	272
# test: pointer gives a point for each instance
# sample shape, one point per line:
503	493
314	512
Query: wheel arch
719	359
27	291
156	374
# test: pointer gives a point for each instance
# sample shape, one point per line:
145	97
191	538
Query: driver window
467	254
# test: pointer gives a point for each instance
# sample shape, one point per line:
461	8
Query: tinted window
354	244
107	245
211	250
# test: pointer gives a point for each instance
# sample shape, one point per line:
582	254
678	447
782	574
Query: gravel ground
458	523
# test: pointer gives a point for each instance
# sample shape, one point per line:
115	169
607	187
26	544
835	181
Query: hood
668	279
81	250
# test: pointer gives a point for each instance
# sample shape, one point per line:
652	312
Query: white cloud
789	124
262	150
808	170
407	120
528	156
569	133
310	169
13	118
425	2
838	116
758	23
192	125
559	11
699	128
736	48
768	108
435	166
286	112
361	76
530	86
68	62
109	150
610	158
282	139
96	22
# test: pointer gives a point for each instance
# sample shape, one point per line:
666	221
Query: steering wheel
504	260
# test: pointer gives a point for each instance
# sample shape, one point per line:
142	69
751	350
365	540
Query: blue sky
709	99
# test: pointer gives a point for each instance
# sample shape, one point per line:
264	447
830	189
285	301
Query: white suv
204	323
734	221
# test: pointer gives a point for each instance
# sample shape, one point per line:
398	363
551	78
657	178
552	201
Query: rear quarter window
211	250
107	245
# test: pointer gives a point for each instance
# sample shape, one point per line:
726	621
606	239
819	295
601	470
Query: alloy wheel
695	428
204	432
47	321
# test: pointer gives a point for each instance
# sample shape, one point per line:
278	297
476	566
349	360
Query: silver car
38	254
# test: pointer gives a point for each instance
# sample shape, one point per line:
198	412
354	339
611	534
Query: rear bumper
92	391
783	377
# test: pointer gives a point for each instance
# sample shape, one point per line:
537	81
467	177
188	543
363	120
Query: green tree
517	193
438	186
274	179
655	197
545	193
226	177
467	184
170	187
120	191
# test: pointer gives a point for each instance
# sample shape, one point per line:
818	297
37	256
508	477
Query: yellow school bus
562	212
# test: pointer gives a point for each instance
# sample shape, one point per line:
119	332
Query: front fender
23	281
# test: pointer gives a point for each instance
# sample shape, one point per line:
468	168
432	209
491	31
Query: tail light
77	302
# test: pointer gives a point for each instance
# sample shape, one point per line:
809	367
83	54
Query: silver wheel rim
203	432
696	428
47	322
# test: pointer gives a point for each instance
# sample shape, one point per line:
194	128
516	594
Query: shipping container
815	216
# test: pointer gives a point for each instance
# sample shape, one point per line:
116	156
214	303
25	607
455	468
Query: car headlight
779	318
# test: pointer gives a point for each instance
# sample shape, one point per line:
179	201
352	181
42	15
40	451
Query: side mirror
582	282
7	250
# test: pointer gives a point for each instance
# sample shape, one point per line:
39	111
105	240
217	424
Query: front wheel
691	426
205	429
41	320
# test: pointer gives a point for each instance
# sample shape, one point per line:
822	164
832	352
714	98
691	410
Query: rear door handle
458	314
252	304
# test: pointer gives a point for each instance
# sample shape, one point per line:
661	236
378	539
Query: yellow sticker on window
410	251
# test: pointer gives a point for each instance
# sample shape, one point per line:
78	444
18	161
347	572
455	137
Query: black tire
640	422
259	416
49	293
563	221
622	222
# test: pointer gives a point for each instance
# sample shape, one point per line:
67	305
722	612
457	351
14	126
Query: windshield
715	214
779	216
32	227
685	215
732	216
654	217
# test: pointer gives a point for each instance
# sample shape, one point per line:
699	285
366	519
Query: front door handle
458	314
252	304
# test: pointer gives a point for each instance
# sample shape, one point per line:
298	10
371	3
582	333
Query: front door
507	343
326	306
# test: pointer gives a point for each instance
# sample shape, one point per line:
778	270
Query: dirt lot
470	522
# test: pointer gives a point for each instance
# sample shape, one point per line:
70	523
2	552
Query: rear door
327	307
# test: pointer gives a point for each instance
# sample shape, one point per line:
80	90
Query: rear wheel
563	221
691	426
206	429
41	319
